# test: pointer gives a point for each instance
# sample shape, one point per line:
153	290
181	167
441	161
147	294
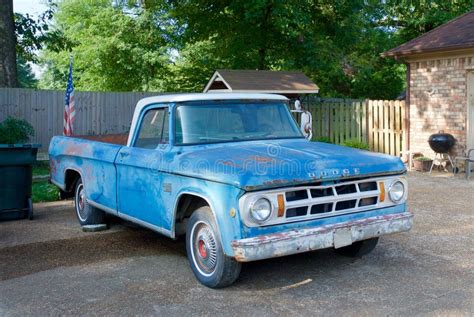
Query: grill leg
468	169
450	162
432	164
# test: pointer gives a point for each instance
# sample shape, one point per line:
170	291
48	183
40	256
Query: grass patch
43	192
41	168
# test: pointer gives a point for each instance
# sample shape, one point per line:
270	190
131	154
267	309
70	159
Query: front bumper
334	235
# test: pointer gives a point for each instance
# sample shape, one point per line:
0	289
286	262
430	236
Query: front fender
222	198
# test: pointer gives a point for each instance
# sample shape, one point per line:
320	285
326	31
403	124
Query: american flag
69	110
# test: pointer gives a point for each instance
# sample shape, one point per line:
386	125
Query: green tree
333	42
26	77
114	48
175	45
413	18
30	34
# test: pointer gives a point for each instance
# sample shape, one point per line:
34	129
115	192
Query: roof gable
455	34
283	82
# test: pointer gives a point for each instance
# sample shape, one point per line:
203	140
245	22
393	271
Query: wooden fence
379	123
96	112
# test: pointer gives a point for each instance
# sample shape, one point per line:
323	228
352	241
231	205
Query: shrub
357	144
323	139
14	131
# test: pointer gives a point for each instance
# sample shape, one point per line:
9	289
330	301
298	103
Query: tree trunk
265	29
8	76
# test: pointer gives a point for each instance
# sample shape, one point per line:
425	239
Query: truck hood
268	164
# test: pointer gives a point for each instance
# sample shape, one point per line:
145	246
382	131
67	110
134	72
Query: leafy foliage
15	131
26	78
112	51
323	139
164	45
357	144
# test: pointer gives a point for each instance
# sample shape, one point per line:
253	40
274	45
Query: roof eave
405	53
293	92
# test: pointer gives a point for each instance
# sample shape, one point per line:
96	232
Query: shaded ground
48	266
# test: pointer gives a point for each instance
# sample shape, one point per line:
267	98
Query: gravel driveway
50	267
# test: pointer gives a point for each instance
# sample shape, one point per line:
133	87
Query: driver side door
139	172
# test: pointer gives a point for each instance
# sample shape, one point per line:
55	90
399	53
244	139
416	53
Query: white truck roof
172	98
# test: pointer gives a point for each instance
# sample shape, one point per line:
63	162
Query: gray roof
265	81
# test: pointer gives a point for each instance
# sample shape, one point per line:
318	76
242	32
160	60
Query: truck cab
235	175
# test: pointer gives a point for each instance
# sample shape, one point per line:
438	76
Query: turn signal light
281	205
382	192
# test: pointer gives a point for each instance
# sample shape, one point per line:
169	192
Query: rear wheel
206	256
86	214
359	248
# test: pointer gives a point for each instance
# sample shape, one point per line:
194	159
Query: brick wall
438	100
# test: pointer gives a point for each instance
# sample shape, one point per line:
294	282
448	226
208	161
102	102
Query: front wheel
204	248
359	248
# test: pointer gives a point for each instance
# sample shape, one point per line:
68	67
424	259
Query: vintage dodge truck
234	174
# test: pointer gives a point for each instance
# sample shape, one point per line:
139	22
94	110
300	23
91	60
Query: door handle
124	154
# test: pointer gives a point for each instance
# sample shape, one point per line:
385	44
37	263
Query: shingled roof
262	81
453	35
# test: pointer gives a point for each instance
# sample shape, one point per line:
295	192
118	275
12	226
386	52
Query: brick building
440	84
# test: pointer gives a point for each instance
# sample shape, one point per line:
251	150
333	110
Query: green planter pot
16	162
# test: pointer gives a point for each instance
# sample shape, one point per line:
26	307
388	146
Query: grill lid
441	142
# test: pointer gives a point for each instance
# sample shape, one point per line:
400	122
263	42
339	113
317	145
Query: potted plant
422	163
16	160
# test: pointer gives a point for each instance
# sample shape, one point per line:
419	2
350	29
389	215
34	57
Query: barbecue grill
441	143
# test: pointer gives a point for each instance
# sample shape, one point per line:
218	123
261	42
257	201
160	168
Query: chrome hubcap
204	248
80	203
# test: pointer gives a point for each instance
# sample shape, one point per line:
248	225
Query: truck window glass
154	129
206	123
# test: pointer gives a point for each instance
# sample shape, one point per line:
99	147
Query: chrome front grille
323	200
319	201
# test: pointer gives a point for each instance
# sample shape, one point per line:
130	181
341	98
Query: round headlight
396	191
261	210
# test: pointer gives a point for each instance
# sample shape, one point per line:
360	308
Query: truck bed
120	139
93	158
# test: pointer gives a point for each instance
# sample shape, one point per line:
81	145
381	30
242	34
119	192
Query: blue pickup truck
234	174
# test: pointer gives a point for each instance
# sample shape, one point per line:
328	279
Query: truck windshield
216	123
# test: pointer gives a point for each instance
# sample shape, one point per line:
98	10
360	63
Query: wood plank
398	128
386	134
326	120
330	122
355	122
340	109
380	126
376	126
393	150
348	119
370	123
404	124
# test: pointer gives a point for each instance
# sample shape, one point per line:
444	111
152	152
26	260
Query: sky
33	7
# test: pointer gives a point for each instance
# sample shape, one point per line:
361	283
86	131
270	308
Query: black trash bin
16	162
